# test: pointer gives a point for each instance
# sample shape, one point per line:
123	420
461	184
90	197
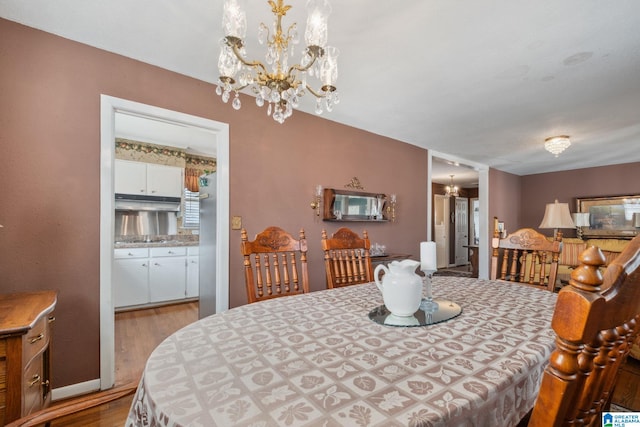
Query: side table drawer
36	339
32	390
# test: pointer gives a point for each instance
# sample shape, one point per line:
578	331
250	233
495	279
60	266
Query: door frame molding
109	106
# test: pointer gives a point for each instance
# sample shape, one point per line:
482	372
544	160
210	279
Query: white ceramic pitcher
401	287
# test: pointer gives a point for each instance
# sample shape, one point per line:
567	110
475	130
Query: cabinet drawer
131	253
35	340
169	251
193	250
32	386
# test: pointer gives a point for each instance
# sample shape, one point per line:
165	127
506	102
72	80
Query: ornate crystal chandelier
277	83
452	190
557	144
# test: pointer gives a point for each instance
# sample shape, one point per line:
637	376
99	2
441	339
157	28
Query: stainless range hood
145	215
133	202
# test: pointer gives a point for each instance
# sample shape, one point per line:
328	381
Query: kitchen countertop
156	244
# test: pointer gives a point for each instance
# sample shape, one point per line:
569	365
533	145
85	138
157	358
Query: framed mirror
344	205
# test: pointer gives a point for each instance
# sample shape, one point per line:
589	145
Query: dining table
323	359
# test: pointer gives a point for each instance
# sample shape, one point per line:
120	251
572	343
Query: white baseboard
73	390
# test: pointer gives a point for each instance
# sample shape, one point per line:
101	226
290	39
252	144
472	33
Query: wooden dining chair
346	258
527	257
596	320
275	264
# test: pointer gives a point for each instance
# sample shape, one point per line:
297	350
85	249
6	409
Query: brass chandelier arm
235	44
301	68
326	88
315	52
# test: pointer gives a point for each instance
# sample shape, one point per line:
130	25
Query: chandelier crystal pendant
557	144
452	190
279	85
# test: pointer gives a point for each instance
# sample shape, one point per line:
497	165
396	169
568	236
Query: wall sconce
391	208
316	201
580	219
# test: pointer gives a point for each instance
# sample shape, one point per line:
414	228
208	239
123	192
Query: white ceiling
463	176
485	81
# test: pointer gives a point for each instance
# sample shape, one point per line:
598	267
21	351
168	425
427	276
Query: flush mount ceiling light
452	190
557	144
278	83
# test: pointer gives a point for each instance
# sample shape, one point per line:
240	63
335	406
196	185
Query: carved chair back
596	319
526	256
346	258
275	264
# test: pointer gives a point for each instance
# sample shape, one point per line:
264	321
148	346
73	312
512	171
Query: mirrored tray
446	310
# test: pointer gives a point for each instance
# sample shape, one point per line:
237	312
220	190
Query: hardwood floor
139	332
627	392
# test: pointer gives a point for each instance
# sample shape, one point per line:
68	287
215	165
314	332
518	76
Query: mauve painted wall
50	168
566	186
504	199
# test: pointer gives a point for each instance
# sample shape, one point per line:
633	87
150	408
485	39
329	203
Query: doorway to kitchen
219	135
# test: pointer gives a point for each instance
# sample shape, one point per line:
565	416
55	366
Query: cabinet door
164	180
130	282
130	177
193	276
167	278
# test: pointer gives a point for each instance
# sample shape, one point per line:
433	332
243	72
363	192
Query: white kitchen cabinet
130	277
154	275
164	180
193	272
148	179
167	274
130	177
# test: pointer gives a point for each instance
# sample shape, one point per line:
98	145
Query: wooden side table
473	257
25	353
385	259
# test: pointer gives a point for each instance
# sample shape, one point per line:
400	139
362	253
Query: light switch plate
236	222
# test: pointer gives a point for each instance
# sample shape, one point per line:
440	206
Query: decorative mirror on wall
346	205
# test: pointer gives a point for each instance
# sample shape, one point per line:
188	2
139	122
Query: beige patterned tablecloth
318	360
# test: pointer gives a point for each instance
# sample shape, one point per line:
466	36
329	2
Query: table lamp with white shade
556	216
